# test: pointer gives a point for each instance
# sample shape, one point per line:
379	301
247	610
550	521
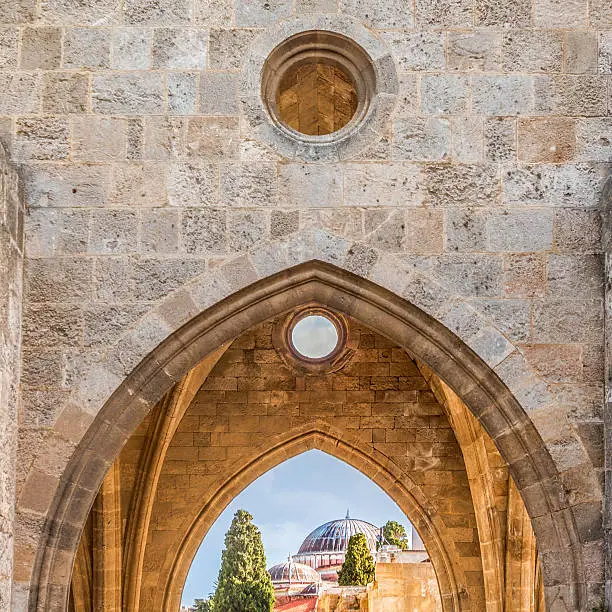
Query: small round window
314	337
318	85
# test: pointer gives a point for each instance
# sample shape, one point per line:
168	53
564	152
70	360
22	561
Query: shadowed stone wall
11	270
144	170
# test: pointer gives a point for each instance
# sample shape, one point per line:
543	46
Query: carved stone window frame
356	48
337	359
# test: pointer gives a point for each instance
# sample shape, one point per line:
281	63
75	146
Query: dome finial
348	514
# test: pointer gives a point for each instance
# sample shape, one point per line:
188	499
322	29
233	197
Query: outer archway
553	518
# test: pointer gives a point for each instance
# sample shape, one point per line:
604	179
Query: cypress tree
358	566
243	585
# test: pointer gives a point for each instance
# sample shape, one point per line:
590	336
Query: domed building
324	549
290	574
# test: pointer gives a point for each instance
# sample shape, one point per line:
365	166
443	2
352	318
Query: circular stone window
314	337
318	84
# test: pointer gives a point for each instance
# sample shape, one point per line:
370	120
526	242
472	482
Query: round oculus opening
314	337
317	85
316	97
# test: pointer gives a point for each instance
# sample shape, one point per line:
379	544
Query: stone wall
145	171
11	270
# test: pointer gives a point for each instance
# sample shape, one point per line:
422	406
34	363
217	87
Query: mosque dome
333	537
295	573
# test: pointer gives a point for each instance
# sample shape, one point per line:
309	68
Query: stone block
502	95
65	93
414	51
131	48
500	138
18	11
462	185
19	93
135	138
532	51
283	223
53	231
41	48
159	231
215	12
605	53
389	184
511	13
555	362
182	93
259	13
204	231
113	232
424	233
138	185
316	6
384	229
580	52
191	185
87	48
9	48
465	230
213	138
520	230
309	185
419	139
394	14
593	139
470	275
155	278
112	279
72	186
577	231
164	138
219	93
511	317
248	228
42	138
444	13
546	140
575	276
408	97
525	275
564	321
249	185
228	48
179	48
58	280
560	13
157	12
49	326
474	51
444	95
570	95
99	139
600	14
83	12
572	185
129	93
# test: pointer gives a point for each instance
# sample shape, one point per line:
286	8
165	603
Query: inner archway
291	501
468	376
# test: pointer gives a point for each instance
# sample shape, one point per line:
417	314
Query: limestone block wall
11	270
144	172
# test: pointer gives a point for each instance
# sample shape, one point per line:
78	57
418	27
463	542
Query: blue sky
287	503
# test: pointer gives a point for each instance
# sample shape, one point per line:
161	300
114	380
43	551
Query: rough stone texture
11	266
489	168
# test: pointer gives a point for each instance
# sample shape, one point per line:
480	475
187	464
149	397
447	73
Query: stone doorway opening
452	375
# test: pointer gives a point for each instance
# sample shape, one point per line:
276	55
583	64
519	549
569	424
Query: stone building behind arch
165	195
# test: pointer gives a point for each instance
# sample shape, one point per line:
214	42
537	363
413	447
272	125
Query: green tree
358	566
394	533
243	585
204	605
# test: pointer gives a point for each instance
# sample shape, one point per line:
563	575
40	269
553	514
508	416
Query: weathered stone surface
227	48
204	231
193	185
546	140
9	46
131	93
81	12
449	13
97	139
417	139
259	13
41	48
532	51
580	52
157	12
503	95
570	95
182	93
560	13
44	138
87	48
462	185
159	232
417	51
500	139
113	232
391	15
219	93
467	137
179	48
474	51
249	185
212	138
65	92
309	185
444	95
131	48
